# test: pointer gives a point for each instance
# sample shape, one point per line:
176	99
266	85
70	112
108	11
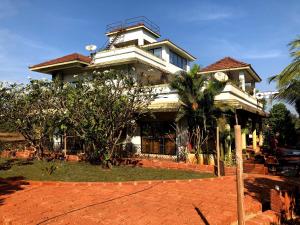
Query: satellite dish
220	76
91	48
259	95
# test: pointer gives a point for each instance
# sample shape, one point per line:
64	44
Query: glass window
156	52
177	60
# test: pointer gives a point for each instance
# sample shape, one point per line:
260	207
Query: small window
177	60
156	52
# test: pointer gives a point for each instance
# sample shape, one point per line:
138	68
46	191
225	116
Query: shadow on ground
10	185
203	218
9	163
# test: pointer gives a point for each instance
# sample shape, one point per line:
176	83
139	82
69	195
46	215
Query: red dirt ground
207	201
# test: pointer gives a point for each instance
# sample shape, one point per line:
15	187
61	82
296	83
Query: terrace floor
207	201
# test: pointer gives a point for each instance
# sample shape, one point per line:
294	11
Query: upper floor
135	43
128	42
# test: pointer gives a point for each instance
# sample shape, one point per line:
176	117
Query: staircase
107	45
254	168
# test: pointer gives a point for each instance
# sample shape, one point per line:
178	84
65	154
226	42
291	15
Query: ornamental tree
29	110
101	107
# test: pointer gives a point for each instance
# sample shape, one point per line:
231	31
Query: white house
135	43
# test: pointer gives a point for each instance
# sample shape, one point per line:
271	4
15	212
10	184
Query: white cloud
234	49
265	54
206	11
207	16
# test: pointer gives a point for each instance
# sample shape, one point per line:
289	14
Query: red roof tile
225	63
66	58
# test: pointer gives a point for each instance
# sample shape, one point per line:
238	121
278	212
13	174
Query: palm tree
288	81
197	93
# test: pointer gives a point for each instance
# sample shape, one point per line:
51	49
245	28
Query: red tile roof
66	58
225	63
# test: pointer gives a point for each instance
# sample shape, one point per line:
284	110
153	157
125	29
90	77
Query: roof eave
174	46
249	68
134	28
49	68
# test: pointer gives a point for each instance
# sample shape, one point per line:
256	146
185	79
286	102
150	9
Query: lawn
81	171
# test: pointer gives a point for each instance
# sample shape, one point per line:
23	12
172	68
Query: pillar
254	137
261	136
244	145
242	80
243	122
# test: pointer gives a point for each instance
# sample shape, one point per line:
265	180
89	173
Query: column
243	125
244	145
254	139
261	135
242	80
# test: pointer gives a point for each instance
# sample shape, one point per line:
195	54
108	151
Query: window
177	60
156	52
158	138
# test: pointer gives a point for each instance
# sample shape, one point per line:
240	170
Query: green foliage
288	81
97	108
101	107
28	109
49	168
197	93
281	121
85	172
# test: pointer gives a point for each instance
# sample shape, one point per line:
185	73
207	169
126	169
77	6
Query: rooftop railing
131	22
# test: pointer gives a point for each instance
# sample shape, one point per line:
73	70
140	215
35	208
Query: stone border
117	183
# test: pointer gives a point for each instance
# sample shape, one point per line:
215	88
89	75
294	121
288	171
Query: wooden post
239	175
218	151
65	144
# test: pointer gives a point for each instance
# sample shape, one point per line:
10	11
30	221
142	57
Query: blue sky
253	31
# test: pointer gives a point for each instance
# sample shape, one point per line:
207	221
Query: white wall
134	53
138	34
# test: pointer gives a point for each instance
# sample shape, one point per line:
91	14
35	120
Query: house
135	43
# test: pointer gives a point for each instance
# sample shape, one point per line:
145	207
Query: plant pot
211	159
191	158
200	159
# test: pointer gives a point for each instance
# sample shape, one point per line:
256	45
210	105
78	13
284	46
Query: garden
57	170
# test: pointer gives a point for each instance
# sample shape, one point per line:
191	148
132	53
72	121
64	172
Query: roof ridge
238	61
225	63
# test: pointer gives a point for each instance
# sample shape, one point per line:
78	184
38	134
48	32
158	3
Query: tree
288	81
281	122
99	108
197	93
102	108
29	110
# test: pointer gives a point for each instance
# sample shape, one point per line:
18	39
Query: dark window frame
152	50
177	60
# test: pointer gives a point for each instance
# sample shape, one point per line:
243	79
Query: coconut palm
288	81
197	93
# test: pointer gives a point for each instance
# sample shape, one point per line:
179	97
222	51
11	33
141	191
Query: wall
139	34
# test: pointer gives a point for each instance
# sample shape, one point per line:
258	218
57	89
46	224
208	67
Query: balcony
231	94
131	54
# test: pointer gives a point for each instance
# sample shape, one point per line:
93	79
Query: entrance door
158	138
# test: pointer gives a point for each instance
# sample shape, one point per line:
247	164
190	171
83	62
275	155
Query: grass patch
82	171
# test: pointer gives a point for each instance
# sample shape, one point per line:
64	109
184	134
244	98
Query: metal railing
140	20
